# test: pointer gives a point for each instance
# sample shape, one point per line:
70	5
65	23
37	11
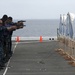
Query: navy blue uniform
7	43
2	30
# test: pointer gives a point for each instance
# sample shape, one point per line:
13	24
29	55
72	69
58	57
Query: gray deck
35	58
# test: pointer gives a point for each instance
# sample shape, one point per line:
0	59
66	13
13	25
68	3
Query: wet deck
35	58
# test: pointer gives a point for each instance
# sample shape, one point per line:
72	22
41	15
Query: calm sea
36	28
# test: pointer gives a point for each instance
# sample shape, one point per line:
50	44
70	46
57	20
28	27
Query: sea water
38	27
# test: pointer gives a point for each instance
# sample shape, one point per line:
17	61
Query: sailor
4	18
1	45
7	40
7	37
2	30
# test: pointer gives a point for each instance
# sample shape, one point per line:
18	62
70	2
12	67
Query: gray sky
36	9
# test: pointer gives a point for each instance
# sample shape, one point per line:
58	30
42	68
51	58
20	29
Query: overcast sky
36	9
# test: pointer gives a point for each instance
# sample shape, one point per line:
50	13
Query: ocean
38	27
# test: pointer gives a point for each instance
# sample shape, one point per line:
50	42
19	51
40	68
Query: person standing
8	35
1	45
2	30
7	40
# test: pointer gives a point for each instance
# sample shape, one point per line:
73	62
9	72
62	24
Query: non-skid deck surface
35	58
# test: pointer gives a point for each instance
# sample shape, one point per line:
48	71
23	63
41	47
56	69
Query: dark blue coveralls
2	30
8	43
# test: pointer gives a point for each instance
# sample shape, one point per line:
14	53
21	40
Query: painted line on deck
34	42
9	60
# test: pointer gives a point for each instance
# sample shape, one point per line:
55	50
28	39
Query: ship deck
37	58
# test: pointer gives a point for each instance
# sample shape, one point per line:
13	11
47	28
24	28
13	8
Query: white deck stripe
9	60
35	41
